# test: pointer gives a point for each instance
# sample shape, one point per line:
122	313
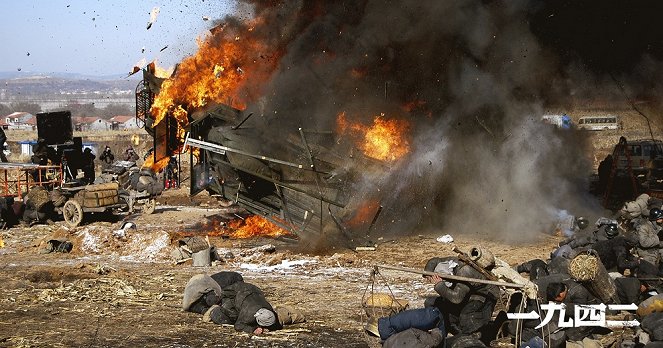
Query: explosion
219	72
385	140
473	88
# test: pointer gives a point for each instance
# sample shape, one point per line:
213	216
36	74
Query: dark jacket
628	290
614	254
536	268
240	301
227	278
459	292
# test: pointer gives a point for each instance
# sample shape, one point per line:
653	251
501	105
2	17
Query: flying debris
19	69
142	50
135	70
164	47
205	18
28	54
153	17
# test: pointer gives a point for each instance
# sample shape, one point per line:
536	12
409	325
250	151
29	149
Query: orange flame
252	226
230	67
157	167
364	214
219	72
384	140
255	226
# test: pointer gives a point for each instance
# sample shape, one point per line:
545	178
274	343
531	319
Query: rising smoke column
472	79
481	160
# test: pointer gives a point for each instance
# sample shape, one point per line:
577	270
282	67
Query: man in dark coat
227	278
615	253
467	306
87	161
107	156
130	155
244	305
634	290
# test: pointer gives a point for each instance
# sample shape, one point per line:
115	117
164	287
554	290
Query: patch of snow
90	241
283	266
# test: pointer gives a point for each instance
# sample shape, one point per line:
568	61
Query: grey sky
100	37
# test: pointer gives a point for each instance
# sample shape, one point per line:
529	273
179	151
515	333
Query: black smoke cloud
481	74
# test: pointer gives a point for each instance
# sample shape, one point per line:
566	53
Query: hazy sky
97	37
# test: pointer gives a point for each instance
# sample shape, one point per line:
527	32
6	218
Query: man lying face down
224	298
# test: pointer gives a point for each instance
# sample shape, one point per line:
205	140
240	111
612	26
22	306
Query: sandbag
37	197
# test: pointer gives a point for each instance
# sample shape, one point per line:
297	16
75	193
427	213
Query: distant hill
33	85
75	76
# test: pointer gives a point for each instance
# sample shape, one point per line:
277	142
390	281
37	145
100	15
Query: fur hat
265	317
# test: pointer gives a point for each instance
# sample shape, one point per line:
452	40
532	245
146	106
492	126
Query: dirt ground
126	291
111	292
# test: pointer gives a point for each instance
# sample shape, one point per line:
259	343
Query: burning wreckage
305	188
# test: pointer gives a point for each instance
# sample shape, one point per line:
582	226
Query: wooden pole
454	277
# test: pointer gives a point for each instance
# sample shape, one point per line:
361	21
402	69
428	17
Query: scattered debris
153	17
57	245
121	234
164	47
446	239
104	269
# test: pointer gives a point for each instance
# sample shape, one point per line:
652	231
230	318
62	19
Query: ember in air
583	315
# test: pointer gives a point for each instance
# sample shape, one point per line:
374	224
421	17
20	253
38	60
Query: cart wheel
149	206
72	213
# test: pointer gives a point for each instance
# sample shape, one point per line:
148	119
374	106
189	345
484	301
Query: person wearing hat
468	307
649	245
605	229
107	156
130	155
244	305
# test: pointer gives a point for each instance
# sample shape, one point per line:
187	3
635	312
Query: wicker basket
588	269
383	305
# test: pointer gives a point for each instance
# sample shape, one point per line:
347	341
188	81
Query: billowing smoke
471	77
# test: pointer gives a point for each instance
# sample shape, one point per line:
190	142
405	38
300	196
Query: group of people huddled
629	247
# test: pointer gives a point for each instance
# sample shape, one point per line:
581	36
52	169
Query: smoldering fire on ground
464	83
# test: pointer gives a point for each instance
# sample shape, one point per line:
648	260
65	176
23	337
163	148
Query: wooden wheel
149	206
72	213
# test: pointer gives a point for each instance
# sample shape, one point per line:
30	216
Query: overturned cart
305	187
